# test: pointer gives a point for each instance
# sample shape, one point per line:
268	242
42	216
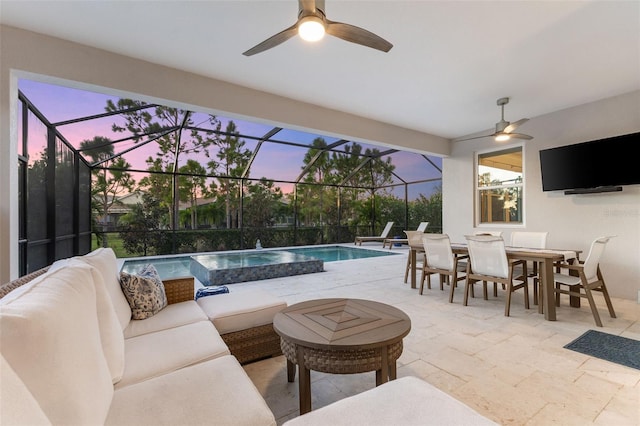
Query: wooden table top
342	324
520	253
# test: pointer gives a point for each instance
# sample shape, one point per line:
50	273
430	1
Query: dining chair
484	283
414	238
494	233
587	277
537	240
439	259
488	262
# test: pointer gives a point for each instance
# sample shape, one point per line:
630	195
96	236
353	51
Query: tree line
211	189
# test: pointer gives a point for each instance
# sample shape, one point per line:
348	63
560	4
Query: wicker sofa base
253	344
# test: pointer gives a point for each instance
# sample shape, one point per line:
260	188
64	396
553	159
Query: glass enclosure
144	179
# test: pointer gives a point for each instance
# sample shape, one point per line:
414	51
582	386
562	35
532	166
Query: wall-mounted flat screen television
596	166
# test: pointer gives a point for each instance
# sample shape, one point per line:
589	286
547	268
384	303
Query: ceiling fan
504	129
313	23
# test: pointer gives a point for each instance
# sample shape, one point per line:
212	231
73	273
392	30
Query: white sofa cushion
111	335
405	401
104	260
173	315
154	354
241	310
17	404
216	392
49	334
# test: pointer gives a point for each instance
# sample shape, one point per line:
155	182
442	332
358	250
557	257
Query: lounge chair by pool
383	235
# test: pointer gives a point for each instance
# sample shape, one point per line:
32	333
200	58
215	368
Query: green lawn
114	241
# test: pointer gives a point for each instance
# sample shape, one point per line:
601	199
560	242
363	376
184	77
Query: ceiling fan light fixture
311	28
312	24
502	137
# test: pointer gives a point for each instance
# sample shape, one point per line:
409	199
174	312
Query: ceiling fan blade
357	35
273	41
520	136
475	137
511	127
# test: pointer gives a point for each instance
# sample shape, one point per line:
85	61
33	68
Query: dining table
546	258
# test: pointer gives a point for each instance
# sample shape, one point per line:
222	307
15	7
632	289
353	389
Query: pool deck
513	370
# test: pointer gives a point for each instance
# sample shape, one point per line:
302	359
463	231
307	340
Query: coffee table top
342	324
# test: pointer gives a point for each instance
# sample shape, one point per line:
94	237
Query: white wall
573	221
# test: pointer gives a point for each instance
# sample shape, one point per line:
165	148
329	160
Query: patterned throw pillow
144	292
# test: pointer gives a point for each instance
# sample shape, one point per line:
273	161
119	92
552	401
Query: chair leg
406	271
526	294
607	299
484	290
538	289
466	292
507	305
422	282
605	293
534	274
453	283
592	304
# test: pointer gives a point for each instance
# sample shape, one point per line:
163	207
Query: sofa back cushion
17	405
111	335
104	260
49	335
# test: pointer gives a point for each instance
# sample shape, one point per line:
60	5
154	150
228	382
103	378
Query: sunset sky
274	161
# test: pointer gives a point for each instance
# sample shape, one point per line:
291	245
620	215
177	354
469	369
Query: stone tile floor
513	370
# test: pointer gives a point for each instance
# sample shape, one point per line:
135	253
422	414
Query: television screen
600	163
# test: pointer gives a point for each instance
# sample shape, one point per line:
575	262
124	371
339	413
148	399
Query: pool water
246	259
336	253
180	266
166	267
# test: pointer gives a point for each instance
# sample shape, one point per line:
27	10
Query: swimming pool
242	266
337	253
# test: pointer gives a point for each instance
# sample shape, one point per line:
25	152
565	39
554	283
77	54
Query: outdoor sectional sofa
71	350
71	354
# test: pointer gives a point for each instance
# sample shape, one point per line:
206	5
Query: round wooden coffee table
340	336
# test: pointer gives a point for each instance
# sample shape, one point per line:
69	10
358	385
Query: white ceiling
450	62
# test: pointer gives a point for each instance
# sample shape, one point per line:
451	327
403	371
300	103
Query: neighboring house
119	208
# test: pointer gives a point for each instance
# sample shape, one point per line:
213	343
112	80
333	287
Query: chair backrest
414	237
494	233
529	239
438	250
590	265
488	255
386	230
423	226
